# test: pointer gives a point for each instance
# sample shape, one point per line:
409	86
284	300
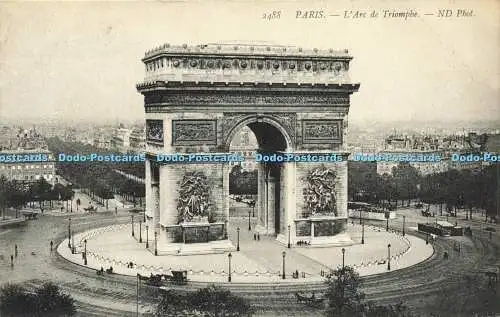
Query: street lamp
343	258
156	243
73	247
284	254
140	231
363	232
427	238
229	276
225	229
238	238
404	220
144	215
133	226
249	226
387	224
360	215
389	257
289	246
147	238
85	252
69	233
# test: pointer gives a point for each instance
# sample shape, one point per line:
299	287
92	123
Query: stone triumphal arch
294	100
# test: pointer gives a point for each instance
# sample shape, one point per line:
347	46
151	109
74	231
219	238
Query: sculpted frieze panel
321	131
194	132
154	131
230	99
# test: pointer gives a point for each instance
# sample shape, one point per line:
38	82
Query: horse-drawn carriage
177	278
426	212
90	209
312	300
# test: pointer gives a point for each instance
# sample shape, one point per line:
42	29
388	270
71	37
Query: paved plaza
257	261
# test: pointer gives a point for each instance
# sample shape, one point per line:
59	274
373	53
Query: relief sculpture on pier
319	194
193	199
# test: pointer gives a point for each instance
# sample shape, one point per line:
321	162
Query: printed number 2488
272	15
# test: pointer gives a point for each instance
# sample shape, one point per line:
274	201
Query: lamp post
140	231
427	238
389	257
147	238
73	247
404	221
360	215
225	229
144	215
238	239
289	245
249	225
284	254
387	224
133	226
363	232
229	258
69	233
343	258
156	243
85	252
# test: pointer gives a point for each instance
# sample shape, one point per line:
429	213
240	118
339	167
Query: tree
46	301
15	302
51	302
373	310
343	295
212	301
346	300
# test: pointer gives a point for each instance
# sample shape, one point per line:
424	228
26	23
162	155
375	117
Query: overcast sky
67	60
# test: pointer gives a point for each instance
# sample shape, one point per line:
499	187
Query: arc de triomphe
296	101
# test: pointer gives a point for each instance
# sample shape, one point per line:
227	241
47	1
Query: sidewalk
257	262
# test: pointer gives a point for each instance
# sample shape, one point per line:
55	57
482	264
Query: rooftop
244	49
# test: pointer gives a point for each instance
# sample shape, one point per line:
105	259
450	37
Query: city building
29	171
121	139
245	144
138	139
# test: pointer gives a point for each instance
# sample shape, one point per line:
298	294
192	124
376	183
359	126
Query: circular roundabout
257	261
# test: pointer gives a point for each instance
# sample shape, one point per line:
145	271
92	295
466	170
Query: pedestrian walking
116	210
255	236
258	236
15	250
11	260
51	245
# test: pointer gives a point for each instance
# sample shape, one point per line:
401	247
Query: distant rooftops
244	49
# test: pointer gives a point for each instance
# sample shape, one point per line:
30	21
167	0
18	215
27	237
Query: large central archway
295	101
273	190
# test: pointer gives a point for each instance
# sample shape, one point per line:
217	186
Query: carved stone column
288	172
149	193
155	209
261	199
271	204
226	169
168	205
